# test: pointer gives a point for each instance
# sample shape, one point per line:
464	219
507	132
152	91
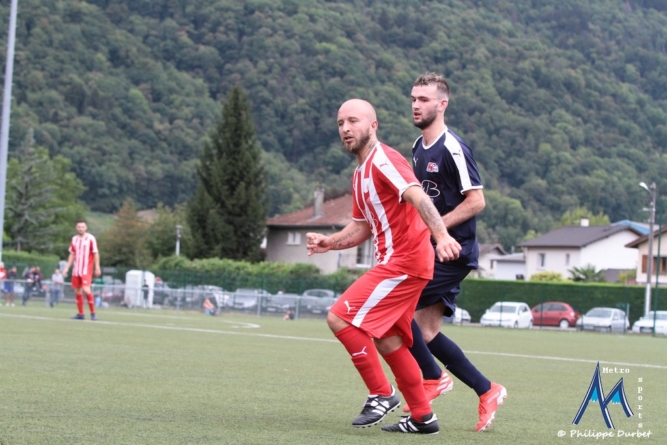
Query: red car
555	313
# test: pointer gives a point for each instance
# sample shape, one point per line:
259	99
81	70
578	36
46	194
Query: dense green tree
228	215
573	218
42	200
31	190
161	234
124	244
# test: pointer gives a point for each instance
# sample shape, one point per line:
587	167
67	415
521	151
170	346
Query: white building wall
611	252
642	251
278	250
556	260
508	270
608	253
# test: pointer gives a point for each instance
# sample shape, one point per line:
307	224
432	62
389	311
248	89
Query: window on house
662	262
542	259
567	259
293	238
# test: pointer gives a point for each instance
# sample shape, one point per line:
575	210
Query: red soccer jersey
400	236
84	249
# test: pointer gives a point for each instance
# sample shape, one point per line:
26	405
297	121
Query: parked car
218	295
194	296
460	316
246	299
162	292
282	302
318	301
645	324
511	314
555	313
604	319
112	290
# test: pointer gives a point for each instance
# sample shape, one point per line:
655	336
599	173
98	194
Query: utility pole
178	239
649	263
6	107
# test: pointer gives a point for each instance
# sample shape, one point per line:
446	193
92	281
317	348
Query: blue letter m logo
596	394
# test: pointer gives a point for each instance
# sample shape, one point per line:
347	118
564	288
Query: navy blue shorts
445	287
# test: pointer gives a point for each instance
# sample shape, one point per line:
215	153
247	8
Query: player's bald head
359	108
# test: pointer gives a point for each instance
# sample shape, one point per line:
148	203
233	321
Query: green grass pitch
165	377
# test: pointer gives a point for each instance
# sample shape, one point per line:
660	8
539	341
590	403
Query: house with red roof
286	235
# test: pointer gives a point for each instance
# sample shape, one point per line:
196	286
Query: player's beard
353	148
427	118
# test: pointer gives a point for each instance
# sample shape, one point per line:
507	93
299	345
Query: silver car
605	319
318	301
247	299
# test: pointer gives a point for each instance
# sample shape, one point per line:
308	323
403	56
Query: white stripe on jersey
452	144
382	290
381	161
386	229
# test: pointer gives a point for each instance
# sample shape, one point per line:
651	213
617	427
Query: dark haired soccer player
448	173
375	313
85	259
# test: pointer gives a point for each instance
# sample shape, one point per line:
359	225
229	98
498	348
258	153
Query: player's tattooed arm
352	235
346	240
430	215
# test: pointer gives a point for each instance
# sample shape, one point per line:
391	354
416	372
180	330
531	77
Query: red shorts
79	282
381	303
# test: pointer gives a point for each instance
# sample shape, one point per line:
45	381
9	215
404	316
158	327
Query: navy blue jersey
446	169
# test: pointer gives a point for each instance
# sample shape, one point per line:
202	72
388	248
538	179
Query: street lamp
649	264
178	239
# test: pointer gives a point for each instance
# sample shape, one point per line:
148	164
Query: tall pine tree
228	215
30	212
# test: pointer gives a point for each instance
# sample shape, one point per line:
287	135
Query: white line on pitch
183	317
326	340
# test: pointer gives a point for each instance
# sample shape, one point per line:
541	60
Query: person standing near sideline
448	173
374	314
57	282
84	259
12	275
27	284
3	276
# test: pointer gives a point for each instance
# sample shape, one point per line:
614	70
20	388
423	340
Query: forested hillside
563	101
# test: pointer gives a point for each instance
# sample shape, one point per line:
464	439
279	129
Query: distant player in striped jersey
444	164
374	314
84	259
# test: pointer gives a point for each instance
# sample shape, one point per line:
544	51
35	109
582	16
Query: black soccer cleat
375	409
78	317
429	425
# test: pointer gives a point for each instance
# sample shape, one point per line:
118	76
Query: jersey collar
444	132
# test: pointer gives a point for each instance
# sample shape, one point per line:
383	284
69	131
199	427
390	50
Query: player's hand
318	243
64	272
97	272
447	249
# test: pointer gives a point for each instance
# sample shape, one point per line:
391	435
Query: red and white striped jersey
84	249
400	236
